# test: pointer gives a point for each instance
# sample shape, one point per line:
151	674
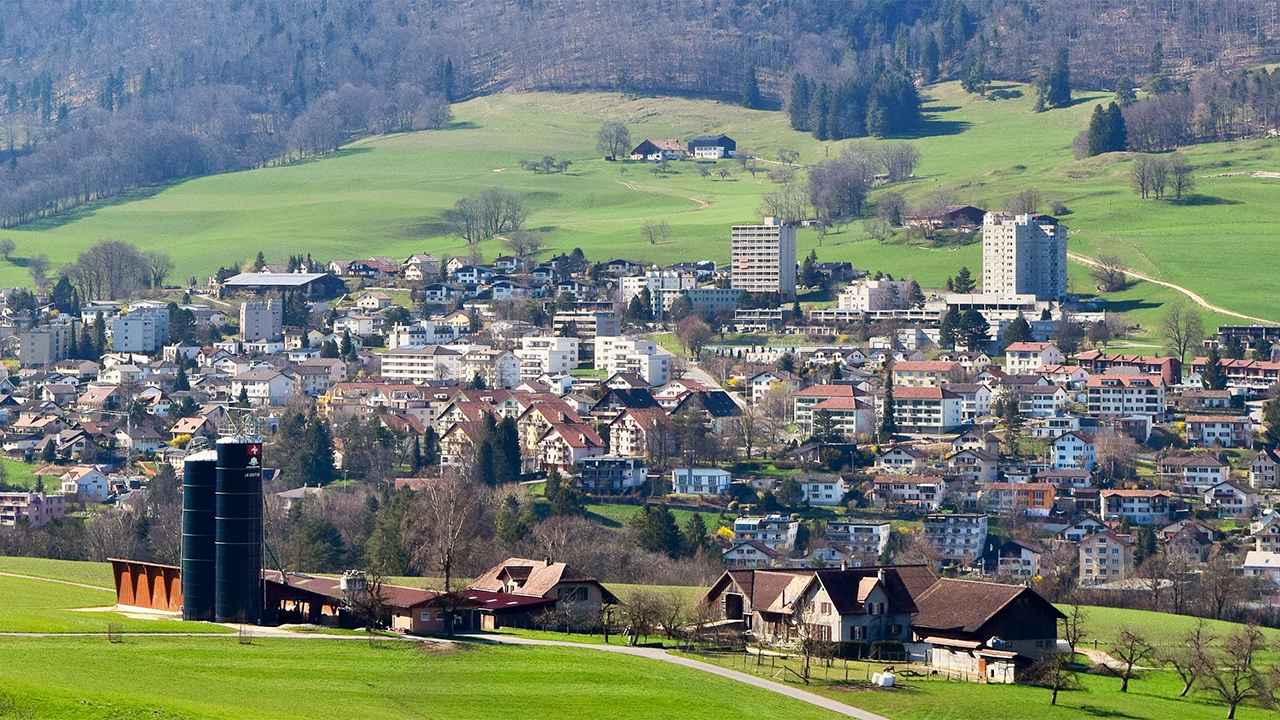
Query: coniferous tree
820	113
99	335
694	534
964	282
888	417
800	102
1099	131
180	381
1019	330
1271	422
1058	93
750	88
974	329
1117	132
1213	378
929	59
949	327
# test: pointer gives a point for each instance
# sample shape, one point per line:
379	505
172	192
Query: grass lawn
1160	629
23	475
167	678
1151	697
42	606
87	573
386	195
617	515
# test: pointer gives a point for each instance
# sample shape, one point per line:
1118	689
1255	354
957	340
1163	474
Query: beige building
1024	255
262	320
763	258
1105	557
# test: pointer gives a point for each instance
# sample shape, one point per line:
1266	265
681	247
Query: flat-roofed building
763	258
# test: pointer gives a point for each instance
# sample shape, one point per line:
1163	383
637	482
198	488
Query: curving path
805	696
1198	300
60	582
631	185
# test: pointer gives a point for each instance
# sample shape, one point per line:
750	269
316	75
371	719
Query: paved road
662	655
1085	260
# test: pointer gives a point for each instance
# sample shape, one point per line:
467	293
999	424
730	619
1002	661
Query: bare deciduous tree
1026	200
1109	273
655	231
1183	329
1131	649
440	531
1233	674
1190	660
613	139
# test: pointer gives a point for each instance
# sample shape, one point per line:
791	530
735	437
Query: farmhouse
656	150
712	147
313	286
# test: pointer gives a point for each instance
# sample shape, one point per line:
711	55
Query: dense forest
101	96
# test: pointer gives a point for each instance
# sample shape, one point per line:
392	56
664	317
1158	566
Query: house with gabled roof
563	445
901	459
567	589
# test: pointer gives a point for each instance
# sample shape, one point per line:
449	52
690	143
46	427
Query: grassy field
1152	696
86	573
23	475
49	607
1162	630
386	195
218	678
618	515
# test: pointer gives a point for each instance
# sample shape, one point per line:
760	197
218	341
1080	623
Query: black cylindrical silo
238	532
199	479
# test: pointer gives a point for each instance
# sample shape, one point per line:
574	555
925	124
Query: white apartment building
496	368
549	355
957	537
705	301
776	532
926	409
423	332
422	364
1024	254
1125	395
655	280
1025	358
262	320
44	346
763	258
874	295
144	330
628	354
861	537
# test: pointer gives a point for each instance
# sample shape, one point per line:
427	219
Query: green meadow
385	195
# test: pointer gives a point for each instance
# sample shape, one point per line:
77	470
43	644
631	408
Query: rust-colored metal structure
147	585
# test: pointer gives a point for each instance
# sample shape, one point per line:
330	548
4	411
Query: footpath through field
1086	260
662	655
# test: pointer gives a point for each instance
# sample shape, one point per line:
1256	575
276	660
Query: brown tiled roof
966	605
541	577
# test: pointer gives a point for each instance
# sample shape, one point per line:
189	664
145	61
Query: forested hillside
101	96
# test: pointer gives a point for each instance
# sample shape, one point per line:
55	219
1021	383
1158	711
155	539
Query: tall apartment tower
1024	255
764	258
262	320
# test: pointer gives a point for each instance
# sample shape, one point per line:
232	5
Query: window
440	615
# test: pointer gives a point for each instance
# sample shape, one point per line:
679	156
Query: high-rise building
1024	255
764	258
262	320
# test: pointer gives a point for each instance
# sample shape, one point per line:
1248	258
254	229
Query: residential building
983	631
861	538
1139	507
750	554
1194	473
811	396
1264	565
706	302
586	324
1014	559
313	286
624	354
926	409
821	489
143	329
850	418
1266	532
1264	469
564	445
44	346
901	459
1096	362
924	373
975	399
504	586
1111	395
1026	358
763	258
874	295
700	481
86	482
611	475
956	538
641	432
495	368
262	320
1029	498
977	466
712	147
1224	430
547	356
1024	255
776	532
30	508
263	386
657	150
1252	376
1230	499
655	280
1075	450
422	364
1105	557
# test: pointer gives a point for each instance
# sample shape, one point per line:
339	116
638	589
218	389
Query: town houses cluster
959	428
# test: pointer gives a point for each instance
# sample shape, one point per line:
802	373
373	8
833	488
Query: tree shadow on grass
607	522
1123	306
80	212
1197	200
932	127
1103	712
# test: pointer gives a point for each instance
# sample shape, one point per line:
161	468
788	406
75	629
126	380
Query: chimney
844	565
880	575
548	560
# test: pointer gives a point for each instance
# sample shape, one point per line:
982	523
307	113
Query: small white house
1074	451
700	481
86	482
